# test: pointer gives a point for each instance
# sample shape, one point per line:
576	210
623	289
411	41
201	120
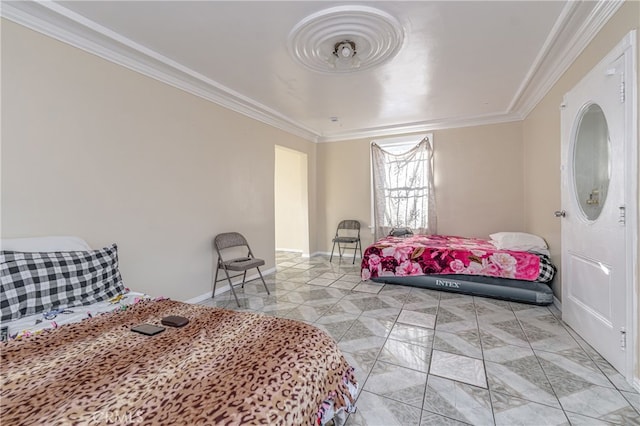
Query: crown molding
577	25
60	23
422	126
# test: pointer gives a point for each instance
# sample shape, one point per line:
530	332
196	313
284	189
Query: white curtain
403	190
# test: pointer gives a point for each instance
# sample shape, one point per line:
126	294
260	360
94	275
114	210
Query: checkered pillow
547	269
39	282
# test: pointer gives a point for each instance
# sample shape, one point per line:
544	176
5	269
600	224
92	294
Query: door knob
559	213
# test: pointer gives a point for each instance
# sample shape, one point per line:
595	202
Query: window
402	185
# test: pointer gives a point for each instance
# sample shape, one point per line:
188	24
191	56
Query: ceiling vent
345	39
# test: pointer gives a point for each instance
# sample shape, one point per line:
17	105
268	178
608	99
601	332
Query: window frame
392	144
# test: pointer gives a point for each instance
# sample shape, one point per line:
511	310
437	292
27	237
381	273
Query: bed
80	363
510	266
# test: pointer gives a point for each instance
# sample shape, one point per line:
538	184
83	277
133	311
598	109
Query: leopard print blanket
223	368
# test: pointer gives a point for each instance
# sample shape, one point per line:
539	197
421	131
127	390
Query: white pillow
518	241
44	244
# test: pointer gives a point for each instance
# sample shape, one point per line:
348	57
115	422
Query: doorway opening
291	201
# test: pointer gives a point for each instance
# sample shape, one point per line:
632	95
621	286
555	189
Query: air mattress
498	288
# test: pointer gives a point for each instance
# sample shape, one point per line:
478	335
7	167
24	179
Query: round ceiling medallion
345	39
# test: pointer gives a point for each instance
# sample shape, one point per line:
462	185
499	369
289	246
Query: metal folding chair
223	244
348	232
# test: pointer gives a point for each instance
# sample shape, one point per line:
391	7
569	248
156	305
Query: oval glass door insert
591	161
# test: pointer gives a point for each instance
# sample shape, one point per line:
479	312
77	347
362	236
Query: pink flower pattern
440	254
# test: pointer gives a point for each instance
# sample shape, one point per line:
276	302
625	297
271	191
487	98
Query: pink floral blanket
440	254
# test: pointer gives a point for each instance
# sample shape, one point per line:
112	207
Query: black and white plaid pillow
39	282
547	269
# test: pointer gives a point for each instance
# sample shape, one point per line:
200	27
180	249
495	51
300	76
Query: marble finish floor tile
419	319
487	306
465	343
286	273
457	326
371	305
633	398
406	355
456	317
397	383
278	309
521	376
365	287
511	411
544	331
336	325
345	285
432	419
573	364
459	368
502	333
579	420
373	343
353	278
374	326
362	361
331	276
598	402
305	313
302	266
416	351
459	401
414	335
418	300
285	285
396	289
375	410
319	281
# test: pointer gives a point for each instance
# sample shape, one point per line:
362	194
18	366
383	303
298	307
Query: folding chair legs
339	251
357	247
244	277
231	285
215	281
263	282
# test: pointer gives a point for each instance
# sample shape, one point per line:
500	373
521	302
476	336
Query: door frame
627	47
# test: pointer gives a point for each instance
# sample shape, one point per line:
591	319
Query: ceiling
458	63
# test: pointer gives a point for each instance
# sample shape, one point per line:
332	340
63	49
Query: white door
594	273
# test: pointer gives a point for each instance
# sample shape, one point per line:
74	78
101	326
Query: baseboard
225	288
557	303
290	250
328	253
302	253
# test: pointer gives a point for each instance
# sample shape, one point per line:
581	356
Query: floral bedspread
440	254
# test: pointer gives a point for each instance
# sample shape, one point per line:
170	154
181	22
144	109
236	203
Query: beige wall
291	205
95	150
541	135
478	182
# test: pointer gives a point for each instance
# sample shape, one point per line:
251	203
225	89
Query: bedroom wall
541	137
95	150
478	179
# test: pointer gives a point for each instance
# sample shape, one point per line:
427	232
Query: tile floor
425	357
